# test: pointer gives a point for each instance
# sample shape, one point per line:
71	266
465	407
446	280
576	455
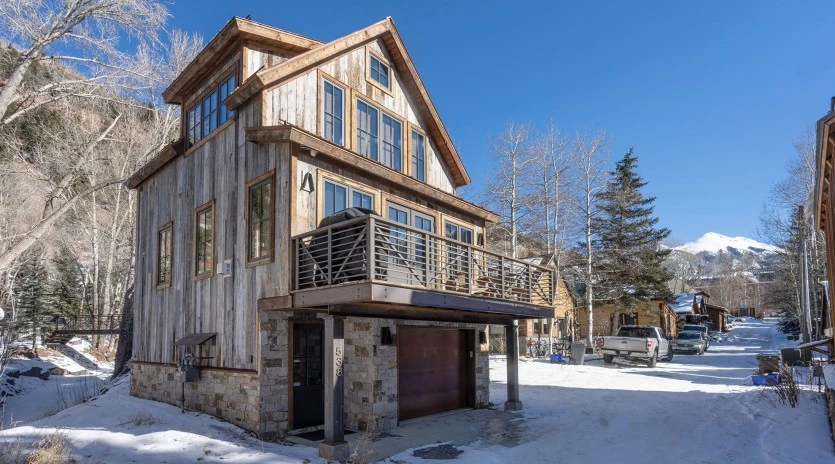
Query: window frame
169	226
369	53
266	178
199	101
326	79
210	272
349	190
381	112
412	128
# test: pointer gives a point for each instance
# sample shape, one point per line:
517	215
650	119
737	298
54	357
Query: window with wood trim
392	143
209	113
367	130
260	216
379	71
164	255
333	112
337	196
204	240
387	148
418	155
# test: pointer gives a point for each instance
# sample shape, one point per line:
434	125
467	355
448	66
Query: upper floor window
379	71
387	147
209	113
260	219
333	113
164	256
204	240
337	197
455	232
418	155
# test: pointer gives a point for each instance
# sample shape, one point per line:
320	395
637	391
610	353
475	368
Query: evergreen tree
32	294
67	290
630	264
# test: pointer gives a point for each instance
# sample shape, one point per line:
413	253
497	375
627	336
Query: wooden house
303	245
718	316
608	319
560	325
825	218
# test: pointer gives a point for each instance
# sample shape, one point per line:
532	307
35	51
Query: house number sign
337	350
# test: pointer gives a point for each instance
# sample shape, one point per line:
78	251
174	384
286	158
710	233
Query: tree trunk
124	348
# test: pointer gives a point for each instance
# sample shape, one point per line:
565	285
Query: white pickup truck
637	342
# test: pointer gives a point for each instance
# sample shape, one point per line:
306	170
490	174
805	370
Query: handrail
408	256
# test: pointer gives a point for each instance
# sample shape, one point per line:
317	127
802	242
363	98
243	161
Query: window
458	255
209	113
367	130
260	219
392	141
204	240
337	195
410	248
387	149
378	71
333	113
164	261
418	155
455	232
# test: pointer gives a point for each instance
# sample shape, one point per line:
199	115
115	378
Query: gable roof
384	30
219	48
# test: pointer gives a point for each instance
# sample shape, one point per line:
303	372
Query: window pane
466	236
260	224
418	156
225	89
210	113
335	198
367	131
392	143
451	231
332	117
379	72
204	241
164	263
360	200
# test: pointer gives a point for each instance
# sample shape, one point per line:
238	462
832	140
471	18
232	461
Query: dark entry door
308	375
434	370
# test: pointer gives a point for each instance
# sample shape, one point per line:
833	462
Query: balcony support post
512	342
334	447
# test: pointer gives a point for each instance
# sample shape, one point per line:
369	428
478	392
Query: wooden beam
512	347
287	133
416	313
334	446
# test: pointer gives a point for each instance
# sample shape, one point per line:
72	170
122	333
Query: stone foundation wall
230	395
274	375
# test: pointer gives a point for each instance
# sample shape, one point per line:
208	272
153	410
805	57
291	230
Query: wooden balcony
371	261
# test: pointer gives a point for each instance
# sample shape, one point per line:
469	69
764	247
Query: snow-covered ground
696	409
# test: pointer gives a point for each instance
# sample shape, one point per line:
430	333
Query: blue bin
767	379
556	358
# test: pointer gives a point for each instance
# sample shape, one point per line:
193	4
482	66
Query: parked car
703	329
692	342
637	342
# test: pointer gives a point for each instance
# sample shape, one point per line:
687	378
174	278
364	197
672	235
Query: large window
164	255
337	197
204	240
333	113
260	219
379	71
418	155
387	147
457	255
209	113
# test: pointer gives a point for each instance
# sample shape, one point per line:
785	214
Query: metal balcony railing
406	256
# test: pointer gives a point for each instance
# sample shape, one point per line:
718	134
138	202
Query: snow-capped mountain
713	243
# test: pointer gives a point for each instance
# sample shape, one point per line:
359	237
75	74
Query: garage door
434	370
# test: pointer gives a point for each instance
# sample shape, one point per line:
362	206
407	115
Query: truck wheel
669	355
653	360
607	358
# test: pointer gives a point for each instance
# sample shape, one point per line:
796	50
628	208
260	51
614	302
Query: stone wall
230	395
274	374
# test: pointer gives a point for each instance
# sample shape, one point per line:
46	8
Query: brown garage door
433	370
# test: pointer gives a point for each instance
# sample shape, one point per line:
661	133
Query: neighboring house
297	322
562	321
718	316
607	319
825	215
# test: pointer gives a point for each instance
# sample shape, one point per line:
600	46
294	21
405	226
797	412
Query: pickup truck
637	342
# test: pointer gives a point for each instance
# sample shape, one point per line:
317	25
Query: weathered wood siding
217	169
297	102
257	56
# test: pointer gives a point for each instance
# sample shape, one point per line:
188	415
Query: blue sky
712	94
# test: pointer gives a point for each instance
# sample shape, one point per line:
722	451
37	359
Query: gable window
164	260
379	71
387	148
337	197
204	240
209	113
260	219
367	130
333	113
418	156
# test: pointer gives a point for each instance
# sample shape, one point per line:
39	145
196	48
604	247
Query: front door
308	375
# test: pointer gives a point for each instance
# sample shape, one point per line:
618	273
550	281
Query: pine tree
32	294
630	265
67	291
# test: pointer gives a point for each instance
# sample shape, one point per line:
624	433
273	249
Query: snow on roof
684	302
713	242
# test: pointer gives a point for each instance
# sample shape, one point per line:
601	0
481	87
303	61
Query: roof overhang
236	30
384	30
171	151
825	137
289	133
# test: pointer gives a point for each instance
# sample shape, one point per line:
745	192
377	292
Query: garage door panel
432	371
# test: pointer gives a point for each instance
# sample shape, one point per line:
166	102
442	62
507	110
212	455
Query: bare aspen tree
79	34
592	158
509	186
